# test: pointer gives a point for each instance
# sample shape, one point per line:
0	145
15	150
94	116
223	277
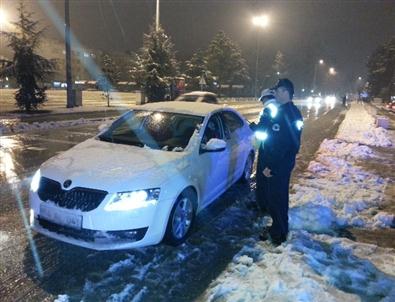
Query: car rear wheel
245	177
181	218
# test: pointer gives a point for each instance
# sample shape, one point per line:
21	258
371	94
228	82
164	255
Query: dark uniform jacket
283	139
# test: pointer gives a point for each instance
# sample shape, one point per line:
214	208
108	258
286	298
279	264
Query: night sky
343	33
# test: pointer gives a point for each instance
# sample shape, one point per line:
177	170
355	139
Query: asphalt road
158	273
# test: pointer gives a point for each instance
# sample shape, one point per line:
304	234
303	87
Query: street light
359	78
261	21
332	71
3	17
321	61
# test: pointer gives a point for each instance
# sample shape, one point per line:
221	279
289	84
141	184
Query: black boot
264	236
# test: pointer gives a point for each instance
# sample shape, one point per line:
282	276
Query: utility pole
69	77
256	66
157	16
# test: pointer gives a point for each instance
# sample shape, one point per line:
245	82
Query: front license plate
60	217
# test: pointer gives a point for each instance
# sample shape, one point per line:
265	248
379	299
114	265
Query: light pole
320	62
260	22
69	77
157	16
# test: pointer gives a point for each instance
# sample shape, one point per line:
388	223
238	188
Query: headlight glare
126	201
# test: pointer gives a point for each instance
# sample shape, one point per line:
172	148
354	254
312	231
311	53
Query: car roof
201	93
200	109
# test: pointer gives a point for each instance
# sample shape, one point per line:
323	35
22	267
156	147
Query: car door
237	140
213	166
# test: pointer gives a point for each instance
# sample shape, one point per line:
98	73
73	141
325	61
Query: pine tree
381	70
225	61
279	65
29	69
196	68
109	77
155	65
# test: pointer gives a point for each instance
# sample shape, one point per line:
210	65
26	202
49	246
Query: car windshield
157	130
188	98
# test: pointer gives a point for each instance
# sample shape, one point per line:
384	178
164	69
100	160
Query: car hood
113	167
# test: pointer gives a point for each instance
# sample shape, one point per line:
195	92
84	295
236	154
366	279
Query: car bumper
92	239
102	230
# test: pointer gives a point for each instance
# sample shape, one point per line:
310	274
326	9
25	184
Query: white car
144	178
198	96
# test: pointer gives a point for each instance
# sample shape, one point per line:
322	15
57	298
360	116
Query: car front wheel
181	218
245	177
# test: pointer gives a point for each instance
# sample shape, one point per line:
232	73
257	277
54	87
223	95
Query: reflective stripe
273	110
299	124
261	135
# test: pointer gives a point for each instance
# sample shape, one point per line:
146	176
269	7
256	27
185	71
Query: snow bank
264	273
308	268
359	126
336	192
62	298
339	148
7	127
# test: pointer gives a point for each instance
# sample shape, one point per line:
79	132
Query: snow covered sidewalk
20	127
314	264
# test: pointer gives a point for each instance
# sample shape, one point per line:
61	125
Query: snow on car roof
201	109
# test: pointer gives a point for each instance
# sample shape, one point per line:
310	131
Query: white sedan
198	96
144	178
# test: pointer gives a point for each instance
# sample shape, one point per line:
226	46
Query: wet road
158	273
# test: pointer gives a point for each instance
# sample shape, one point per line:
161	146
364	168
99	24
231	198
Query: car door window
213	129
232	121
210	99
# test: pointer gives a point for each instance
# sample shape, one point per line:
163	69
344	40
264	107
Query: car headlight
126	201
35	184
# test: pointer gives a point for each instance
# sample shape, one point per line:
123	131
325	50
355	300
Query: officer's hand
267	172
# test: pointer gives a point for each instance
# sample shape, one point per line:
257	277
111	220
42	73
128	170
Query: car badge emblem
67	183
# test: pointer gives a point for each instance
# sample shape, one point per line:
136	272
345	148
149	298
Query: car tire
247	171
181	219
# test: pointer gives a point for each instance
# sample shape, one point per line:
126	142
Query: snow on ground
3	237
308	268
314	264
8	128
359	127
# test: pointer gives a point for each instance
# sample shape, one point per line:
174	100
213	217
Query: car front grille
83	199
92	235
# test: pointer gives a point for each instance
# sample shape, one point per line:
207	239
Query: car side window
210	99
232	121
213	129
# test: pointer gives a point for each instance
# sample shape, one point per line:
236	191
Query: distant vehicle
198	96
391	106
142	179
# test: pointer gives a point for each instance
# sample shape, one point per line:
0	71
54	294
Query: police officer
267	114
278	160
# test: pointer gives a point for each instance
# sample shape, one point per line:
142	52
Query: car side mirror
214	145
